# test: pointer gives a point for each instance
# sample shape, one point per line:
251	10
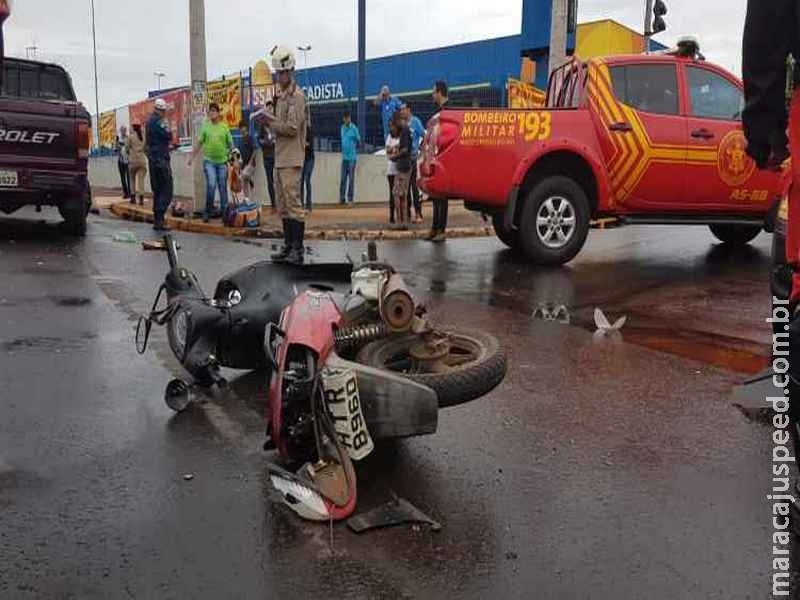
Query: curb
125	210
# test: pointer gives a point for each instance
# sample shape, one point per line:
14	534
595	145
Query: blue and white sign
323	91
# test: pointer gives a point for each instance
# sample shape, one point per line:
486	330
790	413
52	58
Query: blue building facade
475	72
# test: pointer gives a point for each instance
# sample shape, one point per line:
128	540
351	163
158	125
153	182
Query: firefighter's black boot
297	255
287	243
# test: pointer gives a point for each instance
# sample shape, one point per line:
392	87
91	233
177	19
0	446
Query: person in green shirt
215	142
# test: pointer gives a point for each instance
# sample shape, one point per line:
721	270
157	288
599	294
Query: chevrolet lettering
22	136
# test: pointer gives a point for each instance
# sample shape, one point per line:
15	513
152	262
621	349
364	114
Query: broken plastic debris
603	324
127	237
395	512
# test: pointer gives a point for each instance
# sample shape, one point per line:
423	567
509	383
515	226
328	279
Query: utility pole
362	69
197	51
558	35
96	86
648	25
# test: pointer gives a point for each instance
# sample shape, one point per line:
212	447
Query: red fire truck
645	138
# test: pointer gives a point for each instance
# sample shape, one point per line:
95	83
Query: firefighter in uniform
288	125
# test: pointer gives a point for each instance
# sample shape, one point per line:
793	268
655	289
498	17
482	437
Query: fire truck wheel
508	237
735	234
555	221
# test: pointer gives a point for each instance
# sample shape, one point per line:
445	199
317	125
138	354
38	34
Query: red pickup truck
644	138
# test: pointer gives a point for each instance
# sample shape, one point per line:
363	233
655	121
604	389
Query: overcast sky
137	37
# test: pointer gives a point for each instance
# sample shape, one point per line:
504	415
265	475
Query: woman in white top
392	142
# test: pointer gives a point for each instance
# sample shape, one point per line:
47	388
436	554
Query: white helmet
282	58
161	104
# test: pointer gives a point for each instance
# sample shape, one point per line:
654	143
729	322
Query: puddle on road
726	352
70	300
47	343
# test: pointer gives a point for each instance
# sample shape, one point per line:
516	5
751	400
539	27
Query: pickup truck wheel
735	234
74	221
555	221
508	237
75	216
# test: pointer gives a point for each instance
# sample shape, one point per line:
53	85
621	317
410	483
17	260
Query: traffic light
659	10
572	16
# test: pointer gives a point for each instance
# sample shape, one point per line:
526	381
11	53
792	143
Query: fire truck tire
508	237
483	372
555	221
735	234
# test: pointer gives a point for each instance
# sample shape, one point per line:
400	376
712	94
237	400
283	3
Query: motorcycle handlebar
172	252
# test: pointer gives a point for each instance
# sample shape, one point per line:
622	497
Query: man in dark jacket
772	33
267	142
159	142
440	205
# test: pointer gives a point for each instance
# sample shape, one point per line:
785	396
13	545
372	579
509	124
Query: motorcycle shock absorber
348	338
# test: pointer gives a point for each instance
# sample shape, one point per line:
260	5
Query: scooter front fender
393	406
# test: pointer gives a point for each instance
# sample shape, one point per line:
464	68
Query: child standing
392	142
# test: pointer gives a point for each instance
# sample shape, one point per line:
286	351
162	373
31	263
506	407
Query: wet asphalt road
596	470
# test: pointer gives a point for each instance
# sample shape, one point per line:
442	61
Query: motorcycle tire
460	384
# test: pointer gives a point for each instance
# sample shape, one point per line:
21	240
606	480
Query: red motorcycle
352	368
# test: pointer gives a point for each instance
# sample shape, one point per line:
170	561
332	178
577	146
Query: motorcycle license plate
344	403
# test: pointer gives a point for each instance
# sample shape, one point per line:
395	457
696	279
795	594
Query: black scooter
227	329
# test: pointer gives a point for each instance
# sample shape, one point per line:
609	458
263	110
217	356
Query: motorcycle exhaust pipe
397	305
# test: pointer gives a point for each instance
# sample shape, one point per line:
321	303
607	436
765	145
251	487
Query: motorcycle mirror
178	396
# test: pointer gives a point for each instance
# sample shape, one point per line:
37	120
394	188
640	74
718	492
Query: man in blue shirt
159	143
350	141
389	105
417	133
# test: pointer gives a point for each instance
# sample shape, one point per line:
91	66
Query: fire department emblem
733	164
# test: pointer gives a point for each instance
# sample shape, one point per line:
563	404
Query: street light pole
362	68
305	50
96	86
159	75
648	25
197	52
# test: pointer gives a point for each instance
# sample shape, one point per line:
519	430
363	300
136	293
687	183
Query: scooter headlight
178	332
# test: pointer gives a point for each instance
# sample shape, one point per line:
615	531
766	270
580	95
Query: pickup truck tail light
83	136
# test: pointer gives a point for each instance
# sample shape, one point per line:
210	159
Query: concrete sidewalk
361	221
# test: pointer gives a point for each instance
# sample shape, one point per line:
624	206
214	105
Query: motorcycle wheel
476	365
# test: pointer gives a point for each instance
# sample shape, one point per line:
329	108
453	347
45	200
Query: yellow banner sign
107	128
524	95
228	94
